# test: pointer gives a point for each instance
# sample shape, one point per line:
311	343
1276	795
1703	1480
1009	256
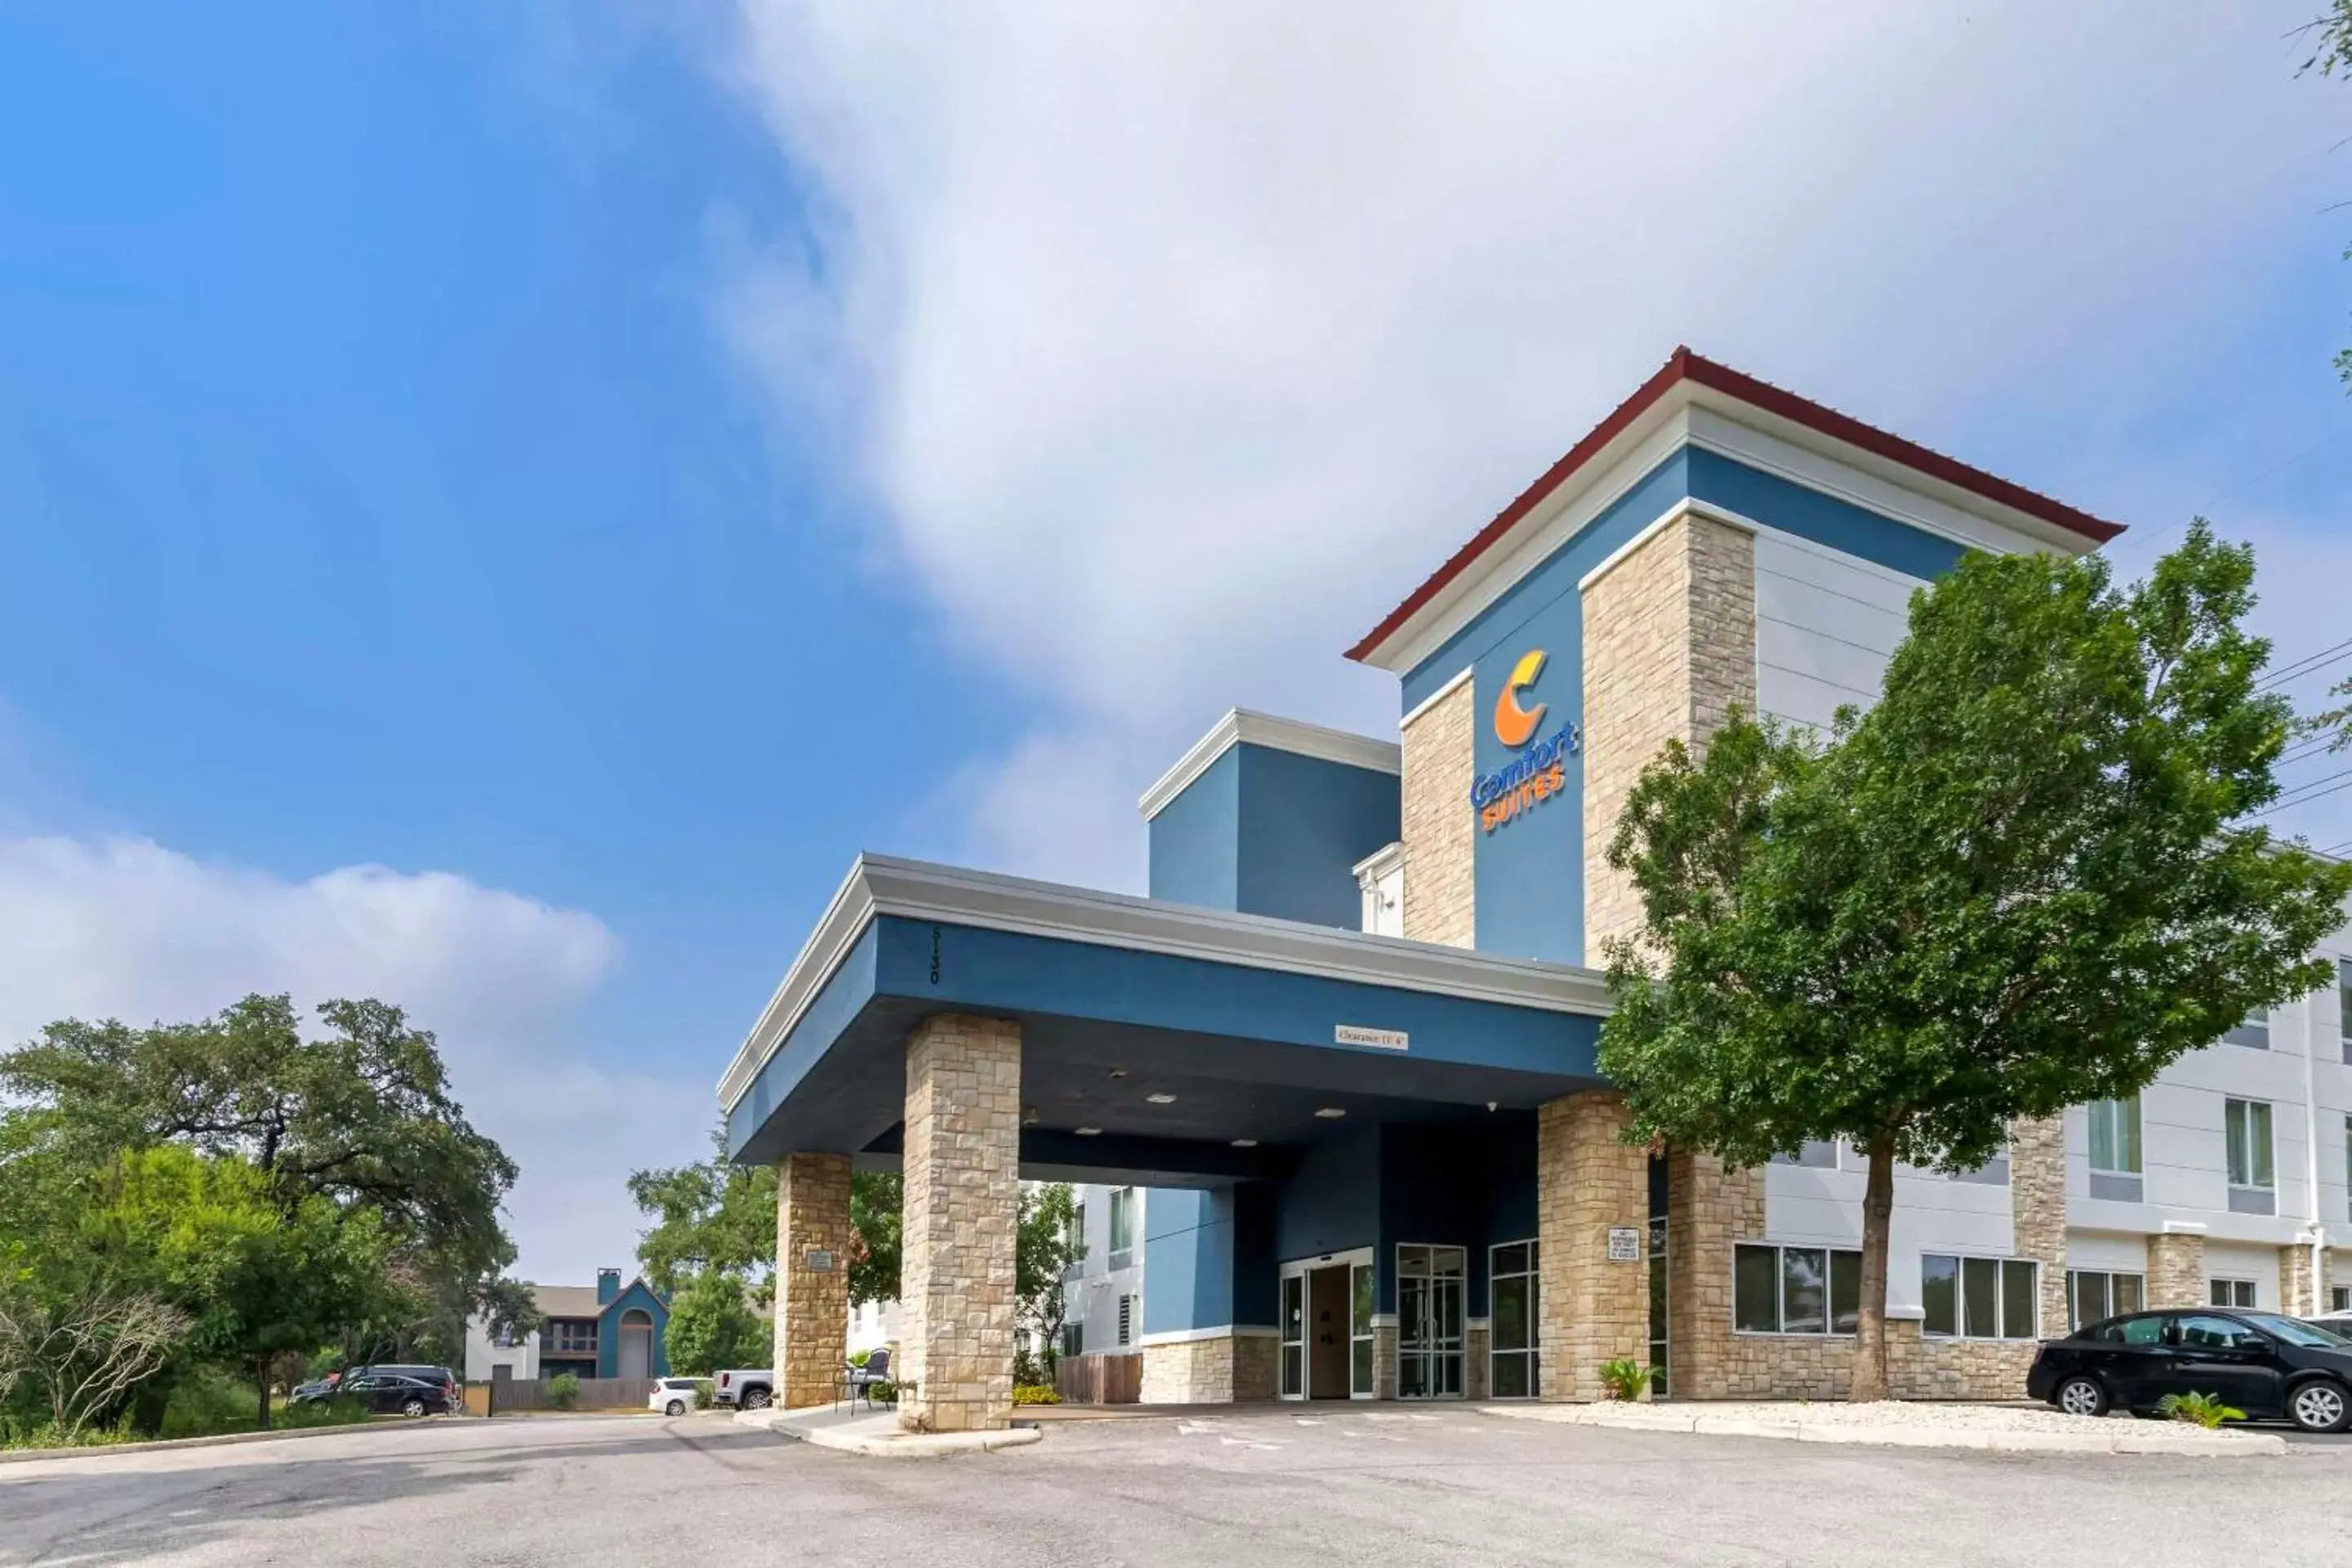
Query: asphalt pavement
1325	1484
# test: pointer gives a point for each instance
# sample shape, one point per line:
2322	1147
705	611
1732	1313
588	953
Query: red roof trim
1684	366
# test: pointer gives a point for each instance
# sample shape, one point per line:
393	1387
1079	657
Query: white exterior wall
873	1325
483	1358
1826	624
1092	1289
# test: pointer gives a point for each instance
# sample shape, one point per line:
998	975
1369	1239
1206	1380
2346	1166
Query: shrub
1035	1394
14	1433
564	1390
1625	1378
2204	1410
883	1392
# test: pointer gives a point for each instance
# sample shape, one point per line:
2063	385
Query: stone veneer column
1669	647
1440	830
1708	1210
2299	1294
1587	1179
963	1201
2037	1202
811	1304
2176	1270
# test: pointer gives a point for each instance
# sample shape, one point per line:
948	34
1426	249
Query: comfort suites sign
1539	770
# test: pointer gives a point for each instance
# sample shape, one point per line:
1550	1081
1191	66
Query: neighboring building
1349	1040
605	1330
1103	1292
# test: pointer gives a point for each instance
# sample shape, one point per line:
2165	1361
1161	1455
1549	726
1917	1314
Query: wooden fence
1099	1379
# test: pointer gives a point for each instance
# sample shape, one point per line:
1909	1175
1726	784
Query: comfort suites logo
1540	771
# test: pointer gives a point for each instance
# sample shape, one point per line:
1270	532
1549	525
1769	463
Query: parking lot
1336	1485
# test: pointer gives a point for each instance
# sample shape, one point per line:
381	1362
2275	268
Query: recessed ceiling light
1245	1142
1332	1112
1119	1072
1089	1131
1160	1098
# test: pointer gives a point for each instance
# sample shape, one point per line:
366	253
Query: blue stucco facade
1272	832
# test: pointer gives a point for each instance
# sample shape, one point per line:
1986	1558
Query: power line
2136	538
2306	799
2306	666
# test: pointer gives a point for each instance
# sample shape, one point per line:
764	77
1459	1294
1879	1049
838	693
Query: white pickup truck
744	1390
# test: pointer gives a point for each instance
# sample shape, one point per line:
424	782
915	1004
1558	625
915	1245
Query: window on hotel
2344	1003
1814	1154
2339	1298
2092	1296
1795	1290
2254	1033
2230	1293
2114	1149
1122	1228
1993	1173
1074	1337
2246	1136
1977	1297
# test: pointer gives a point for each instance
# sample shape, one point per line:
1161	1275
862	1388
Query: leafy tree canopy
2024	879
717	1215
711	1325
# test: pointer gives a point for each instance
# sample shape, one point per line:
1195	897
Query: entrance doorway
1432	1290
1326	1327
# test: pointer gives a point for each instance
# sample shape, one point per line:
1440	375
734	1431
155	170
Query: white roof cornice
1240	725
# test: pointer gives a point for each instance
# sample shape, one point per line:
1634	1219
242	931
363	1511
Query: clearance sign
1540	770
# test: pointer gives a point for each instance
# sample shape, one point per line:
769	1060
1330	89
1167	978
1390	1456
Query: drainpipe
2311	1149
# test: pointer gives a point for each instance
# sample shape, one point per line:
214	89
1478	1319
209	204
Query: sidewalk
1898	1424
876	1434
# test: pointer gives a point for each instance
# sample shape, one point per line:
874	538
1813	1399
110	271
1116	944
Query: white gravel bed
1900	1423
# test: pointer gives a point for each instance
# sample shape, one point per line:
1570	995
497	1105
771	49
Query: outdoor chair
862	1379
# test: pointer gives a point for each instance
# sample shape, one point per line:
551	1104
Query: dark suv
2270	1367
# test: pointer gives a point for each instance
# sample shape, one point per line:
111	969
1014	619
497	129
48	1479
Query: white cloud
1178	342
125	928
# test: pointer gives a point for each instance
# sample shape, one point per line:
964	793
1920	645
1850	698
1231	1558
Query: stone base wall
1811	1366
1215	1370
2037	1200
1708	1208
1439	827
2176	1271
962	1202
2299	1293
1591	1308
811	1304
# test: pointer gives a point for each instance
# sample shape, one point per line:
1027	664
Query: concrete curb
2126	1437
879	1438
220	1440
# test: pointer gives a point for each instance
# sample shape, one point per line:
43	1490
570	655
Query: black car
387	1392
2270	1367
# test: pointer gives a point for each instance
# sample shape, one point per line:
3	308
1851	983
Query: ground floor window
1431	1319
1074	1338
2230	1292
2339	1298
2092	1296
1795	1290
1514	1295
1979	1297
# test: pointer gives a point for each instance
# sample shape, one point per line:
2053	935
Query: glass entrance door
1512	1365
1360	1328
1432	1295
1294	1336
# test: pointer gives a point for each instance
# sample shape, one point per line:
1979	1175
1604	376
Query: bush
16	1434
2204	1410
883	1392
1625	1378
564	1390
1035	1394
857	1358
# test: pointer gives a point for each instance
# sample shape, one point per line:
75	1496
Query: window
1511	1334
1074	1237
1993	1173
2348	1162
2114	1149
1795	1290
2339	1298
2092	1296
1814	1154
2201	1332
571	1336
2246	1131
2254	1033
1979	1297
2232	1293
1074	1338
1122	1228
1126	1321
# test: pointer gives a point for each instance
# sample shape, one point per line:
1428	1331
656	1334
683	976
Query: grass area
207	1405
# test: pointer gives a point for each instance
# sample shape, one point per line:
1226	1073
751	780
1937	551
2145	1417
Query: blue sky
600	466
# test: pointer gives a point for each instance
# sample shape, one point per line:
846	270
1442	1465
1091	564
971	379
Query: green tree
360	1118
2022	881
711	1325
1046	1245
717	1215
